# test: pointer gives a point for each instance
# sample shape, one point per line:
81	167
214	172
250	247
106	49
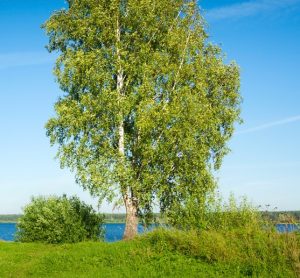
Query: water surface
114	232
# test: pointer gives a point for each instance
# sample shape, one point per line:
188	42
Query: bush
216	214
234	215
260	253
59	220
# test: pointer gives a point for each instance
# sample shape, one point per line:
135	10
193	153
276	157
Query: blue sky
262	36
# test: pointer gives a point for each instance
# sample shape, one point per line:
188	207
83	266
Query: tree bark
129	200
131	227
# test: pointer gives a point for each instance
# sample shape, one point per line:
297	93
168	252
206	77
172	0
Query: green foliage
216	214
233	215
292	217
282	216
161	253
256	253
145	69
287	218
234	233
59	220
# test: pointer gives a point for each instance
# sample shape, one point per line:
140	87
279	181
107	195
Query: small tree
59	220
148	106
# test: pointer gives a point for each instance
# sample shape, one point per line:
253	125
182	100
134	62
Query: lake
114	232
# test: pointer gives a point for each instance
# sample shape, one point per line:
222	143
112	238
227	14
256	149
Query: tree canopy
149	103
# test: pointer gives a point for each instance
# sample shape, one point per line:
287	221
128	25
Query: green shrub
233	233
256	253
233	215
217	214
59	220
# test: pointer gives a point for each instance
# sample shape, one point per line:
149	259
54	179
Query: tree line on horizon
274	216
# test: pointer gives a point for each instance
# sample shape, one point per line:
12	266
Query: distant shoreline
279	217
15	222
108	218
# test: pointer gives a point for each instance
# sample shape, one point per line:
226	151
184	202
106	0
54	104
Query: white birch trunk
129	202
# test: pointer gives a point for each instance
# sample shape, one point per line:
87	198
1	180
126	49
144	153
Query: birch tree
148	105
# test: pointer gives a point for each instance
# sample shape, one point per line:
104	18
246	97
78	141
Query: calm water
282	228
114	232
7	231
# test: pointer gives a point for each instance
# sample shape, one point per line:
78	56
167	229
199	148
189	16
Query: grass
159	254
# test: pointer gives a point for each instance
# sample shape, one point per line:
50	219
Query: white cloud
272	124
19	59
248	8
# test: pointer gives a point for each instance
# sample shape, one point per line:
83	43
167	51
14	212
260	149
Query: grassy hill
159	254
